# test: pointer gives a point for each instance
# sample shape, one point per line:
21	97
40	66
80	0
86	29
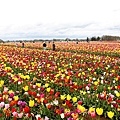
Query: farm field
75	82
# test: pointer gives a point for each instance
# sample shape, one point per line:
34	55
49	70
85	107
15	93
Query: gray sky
31	19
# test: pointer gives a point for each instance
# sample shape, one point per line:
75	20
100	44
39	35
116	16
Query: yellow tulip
91	109
110	114
113	71
68	97
67	110
22	76
81	108
117	94
75	83
48	89
46	85
96	83
99	111
62	97
25	88
15	79
83	73
7	68
16	98
48	65
27	77
116	79
38	84
31	103
79	74
1	83
68	77
57	75
89	69
5	96
10	91
74	99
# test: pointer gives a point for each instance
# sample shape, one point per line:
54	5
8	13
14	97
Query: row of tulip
103	48
48	85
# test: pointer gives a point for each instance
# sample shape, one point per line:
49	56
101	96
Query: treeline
94	38
1	41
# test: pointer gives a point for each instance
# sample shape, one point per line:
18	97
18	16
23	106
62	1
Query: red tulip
45	101
57	94
80	102
118	87
51	91
26	109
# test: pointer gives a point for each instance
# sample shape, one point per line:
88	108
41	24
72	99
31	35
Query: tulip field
74	82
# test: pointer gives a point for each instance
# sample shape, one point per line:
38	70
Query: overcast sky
34	19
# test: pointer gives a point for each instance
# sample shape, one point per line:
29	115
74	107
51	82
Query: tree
98	38
1	41
93	39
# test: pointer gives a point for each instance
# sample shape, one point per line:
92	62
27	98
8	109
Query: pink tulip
15	114
5	89
2	104
93	114
20	115
9	99
46	118
7	106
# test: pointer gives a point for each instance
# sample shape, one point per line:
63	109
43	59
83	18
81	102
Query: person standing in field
53	45
87	39
44	46
23	44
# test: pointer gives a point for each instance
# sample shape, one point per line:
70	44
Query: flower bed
48	85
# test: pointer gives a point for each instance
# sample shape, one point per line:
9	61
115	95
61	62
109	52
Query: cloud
31	19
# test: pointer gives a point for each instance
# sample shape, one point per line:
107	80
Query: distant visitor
53	46
23	44
44	46
87	39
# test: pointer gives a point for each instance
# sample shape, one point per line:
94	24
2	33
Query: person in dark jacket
23	44
87	39
53	45
44	46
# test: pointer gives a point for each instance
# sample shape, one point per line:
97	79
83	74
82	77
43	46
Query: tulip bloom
62	115
92	112
74	99
38	84
16	98
75	116
81	108
26	109
25	88
48	89
99	111
46	85
31	103
20	115
2	104
62	97
1	83
110	114
7	106
68	97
